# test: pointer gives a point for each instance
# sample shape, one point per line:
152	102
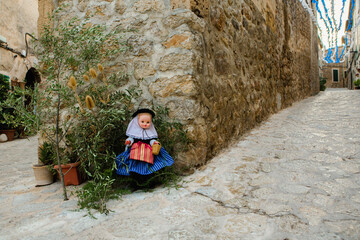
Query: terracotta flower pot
9	133
43	175
71	174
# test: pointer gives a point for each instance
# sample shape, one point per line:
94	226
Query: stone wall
17	18
220	66
258	57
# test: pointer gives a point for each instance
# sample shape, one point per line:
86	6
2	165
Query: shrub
322	84
357	83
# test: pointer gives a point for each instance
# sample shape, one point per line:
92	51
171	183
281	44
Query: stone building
353	36
335	73
18	22
221	67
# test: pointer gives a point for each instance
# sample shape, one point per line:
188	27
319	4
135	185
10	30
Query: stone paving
294	177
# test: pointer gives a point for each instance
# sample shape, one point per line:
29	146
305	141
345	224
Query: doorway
32	77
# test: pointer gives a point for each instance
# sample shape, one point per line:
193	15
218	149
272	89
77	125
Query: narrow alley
296	176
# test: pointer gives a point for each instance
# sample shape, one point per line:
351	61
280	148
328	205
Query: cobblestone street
295	177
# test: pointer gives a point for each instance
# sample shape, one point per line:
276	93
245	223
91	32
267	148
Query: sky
330	40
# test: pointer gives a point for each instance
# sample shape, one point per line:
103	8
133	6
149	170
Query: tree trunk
57	148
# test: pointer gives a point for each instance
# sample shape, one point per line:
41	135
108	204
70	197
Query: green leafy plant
357	83
47	154
100	137
4	87
322	84
17	115
9	118
66	49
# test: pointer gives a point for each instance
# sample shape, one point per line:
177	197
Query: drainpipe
27	47
5	46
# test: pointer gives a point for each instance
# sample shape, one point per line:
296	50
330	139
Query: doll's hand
127	142
152	142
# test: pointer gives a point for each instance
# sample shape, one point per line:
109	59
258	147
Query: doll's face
144	120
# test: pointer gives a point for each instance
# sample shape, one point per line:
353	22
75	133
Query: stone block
133	21
221	62
178	18
183	109
120	6
175	86
179	40
197	133
176	61
218	18
180	4
200	7
140	46
143	6
143	69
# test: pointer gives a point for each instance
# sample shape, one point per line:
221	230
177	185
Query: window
335	75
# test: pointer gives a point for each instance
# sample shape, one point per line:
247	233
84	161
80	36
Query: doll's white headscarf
135	131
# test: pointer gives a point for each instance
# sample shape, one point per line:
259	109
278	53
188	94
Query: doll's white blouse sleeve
130	139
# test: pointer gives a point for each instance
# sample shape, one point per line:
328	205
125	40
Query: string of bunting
322	18
332	29
333	55
313	18
338	60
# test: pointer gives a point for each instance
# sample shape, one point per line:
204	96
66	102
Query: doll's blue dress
125	165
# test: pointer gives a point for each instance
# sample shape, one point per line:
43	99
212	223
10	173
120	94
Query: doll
143	154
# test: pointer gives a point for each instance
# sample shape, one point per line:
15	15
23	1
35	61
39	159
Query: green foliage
17	115
95	194
357	83
68	47
322	83
47	153
8	118
4	87
100	137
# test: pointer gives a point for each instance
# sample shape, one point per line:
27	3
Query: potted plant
70	172
16	116
69	167
42	171
357	84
